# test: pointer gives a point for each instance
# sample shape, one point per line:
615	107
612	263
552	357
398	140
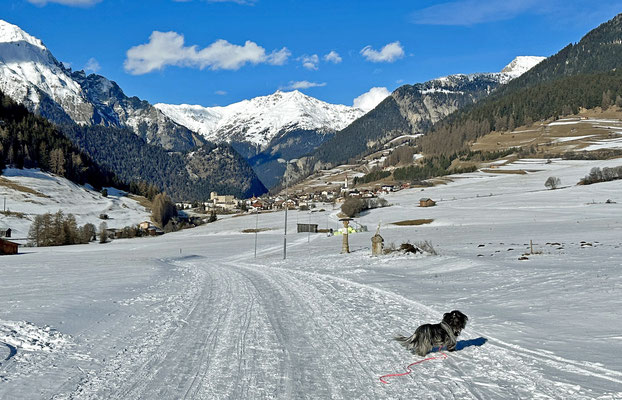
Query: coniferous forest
29	141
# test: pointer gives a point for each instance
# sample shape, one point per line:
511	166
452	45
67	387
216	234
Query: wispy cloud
92	65
220	92
369	100
74	3
310	62
333	57
295	85
168	48
389	53
472	12
243	2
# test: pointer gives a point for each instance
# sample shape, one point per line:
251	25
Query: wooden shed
426	202
307	228
8	247
5	232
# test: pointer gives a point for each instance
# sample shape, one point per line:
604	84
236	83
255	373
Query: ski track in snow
242	330
214	323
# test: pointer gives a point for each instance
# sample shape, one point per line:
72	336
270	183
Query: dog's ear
458	314
446	316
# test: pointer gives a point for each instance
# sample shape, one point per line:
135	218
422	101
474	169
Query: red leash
444	356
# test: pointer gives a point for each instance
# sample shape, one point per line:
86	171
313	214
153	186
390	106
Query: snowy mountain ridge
259	120
32	76
521	64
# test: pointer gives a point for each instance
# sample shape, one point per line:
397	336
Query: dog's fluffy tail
408	342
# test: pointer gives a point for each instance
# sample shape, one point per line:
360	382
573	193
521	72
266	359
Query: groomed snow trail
243	330
193	315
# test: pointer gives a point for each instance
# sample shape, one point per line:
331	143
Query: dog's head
456	320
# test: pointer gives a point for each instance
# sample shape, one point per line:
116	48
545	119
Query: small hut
5	232
8	247
312	228
426	202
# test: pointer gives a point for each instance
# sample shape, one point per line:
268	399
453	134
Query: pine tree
57	161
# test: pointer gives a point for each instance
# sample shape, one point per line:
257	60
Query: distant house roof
425	199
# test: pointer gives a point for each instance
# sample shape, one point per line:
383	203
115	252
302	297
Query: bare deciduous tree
552	182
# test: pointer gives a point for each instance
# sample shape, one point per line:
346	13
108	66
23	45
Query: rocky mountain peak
521	64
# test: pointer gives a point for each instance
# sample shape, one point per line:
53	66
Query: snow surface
262	118
194	315
50	193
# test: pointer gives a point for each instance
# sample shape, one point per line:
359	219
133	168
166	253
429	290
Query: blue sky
215	52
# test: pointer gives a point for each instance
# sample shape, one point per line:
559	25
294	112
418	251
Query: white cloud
92	65
220	92
77	3
167	48
389	53
278	57
333	57
302	85
310	62
369	100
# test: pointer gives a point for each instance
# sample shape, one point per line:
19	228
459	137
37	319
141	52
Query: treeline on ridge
134	160
547	100
29	141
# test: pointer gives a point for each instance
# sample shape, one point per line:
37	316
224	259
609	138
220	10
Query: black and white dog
429	335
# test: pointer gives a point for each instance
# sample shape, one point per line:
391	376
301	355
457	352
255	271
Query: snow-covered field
194	315
31	192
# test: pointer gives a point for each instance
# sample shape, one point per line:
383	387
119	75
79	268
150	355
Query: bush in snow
352	206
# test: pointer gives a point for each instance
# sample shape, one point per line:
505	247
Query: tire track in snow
515	374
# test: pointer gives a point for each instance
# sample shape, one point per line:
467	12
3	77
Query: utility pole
286	207
256	227
280	160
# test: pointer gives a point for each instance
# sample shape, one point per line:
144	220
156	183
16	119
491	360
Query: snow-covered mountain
259	120
423	104
410	109
264	129
521	64
32	76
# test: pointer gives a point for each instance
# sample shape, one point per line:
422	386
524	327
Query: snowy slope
259	120
32	192
195	315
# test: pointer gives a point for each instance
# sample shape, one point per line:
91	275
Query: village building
5	232
7	247
426	202
226	202
312	228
